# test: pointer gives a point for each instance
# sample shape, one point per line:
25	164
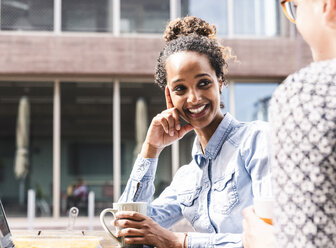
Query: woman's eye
179	88
203	83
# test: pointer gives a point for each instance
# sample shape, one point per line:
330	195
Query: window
252	99
146	16
212	11
249	17
152	99
87	15
231	17
13	190
30	15
86	130
258	17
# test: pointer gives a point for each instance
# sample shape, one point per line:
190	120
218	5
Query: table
106	242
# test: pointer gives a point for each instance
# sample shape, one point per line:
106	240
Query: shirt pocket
225	194
189	203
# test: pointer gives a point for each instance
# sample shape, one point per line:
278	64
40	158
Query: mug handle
102	221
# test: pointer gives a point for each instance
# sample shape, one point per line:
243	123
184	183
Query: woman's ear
221	83
329	11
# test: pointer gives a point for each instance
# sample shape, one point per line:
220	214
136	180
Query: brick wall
107	56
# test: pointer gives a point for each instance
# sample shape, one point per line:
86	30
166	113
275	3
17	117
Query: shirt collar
216	141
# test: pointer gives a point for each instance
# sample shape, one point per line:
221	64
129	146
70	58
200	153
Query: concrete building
84	64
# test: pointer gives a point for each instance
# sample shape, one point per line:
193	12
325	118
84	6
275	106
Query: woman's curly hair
192	34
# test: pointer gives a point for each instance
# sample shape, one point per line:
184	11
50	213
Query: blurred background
77	92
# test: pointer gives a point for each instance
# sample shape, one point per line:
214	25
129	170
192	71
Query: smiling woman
230	160
195	91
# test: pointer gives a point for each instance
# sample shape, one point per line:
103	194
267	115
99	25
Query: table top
106	242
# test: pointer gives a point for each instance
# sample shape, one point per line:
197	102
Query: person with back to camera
230	160
303	118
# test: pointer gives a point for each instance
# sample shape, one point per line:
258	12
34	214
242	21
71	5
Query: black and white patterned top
303	118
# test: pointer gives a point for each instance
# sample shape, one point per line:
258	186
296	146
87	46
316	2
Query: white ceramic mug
263	208
140	207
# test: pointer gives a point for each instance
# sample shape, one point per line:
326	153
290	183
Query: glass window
252	99
38	97
134	129
146	16
87	15
212	11
244	17
257	17
27	15
225	99
87	144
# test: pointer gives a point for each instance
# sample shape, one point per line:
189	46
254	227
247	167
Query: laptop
5	234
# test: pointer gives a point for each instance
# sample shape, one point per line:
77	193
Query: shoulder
255	147
240	131
317	75
251	136
254	128
311	87
258	131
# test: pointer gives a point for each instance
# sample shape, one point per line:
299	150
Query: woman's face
194	88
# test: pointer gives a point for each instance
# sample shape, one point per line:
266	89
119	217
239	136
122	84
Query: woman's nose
193	96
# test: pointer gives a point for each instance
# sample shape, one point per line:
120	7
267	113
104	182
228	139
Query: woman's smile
197	111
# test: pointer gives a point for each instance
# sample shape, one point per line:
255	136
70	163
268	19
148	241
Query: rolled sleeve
143	167
140	184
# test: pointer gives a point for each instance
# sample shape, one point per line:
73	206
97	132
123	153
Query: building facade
84	65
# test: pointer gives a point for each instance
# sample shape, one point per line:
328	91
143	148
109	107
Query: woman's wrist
149	151
181	240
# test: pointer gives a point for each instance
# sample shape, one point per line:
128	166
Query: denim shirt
213	189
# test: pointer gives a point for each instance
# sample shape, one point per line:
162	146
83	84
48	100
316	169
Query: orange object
268	221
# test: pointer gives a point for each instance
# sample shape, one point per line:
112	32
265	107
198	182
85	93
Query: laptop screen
5	234
4	229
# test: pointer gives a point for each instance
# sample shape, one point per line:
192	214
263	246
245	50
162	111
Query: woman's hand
256	233
164	129
141	229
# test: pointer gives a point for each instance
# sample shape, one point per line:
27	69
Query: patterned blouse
303	117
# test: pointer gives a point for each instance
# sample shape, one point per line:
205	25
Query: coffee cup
140	207
263	208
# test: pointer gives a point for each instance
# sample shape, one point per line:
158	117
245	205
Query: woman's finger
171	123
176	117
133	232
250	215
168	122
127	223
164	123
135	240
169	101
132	215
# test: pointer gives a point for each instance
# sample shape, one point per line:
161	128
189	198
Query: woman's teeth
197	110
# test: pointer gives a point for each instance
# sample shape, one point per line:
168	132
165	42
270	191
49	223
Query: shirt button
206	185
210	229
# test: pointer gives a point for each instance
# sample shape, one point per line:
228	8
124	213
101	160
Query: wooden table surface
106	242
